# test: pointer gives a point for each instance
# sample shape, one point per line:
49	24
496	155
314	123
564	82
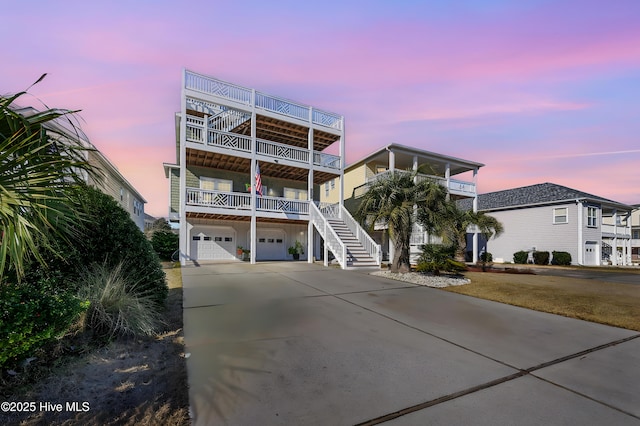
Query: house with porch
635	235
247	178
457	175
551	217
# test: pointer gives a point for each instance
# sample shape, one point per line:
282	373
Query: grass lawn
592	300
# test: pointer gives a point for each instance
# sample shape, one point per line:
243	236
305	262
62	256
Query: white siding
533	227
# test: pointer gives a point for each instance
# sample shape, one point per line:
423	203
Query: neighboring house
232	142
111	181
635	235
457	175
550	217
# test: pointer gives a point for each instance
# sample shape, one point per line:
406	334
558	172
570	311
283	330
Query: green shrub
109	235
486	257
165	243
561	258
436	258
541	257
33	313
520	257
117	307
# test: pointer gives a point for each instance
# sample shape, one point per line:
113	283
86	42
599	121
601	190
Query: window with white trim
326	189
560	215
592	217
295	194
214	184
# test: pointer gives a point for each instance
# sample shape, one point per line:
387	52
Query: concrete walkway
291	343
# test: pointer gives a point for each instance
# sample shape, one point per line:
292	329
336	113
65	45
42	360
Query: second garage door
270	244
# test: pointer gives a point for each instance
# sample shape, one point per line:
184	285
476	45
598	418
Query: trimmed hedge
541	257
520	257
561	258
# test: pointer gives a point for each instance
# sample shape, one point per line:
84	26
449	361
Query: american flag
258	180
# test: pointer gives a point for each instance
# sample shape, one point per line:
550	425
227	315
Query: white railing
619	230
282	106
195	129
212	86
278	204
228	119
208	198
462	187
331	239
216	87
327	119
374	249
280	150
232	141
329	209
326	160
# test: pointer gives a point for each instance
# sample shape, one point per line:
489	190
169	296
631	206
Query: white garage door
213	244
270	244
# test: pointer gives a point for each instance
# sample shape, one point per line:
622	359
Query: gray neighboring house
551	217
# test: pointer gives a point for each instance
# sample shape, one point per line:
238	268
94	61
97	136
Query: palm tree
395	200
40	164
456	221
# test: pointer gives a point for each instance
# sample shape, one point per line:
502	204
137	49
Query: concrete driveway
290	343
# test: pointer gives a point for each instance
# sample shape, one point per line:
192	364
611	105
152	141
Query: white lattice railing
212	86
216	87
326	160
374	249
279	150
278	204
208	198
331	239
329	210
233	141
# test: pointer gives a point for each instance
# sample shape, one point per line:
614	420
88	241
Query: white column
392	161
310	188
580	213
253	230
342	165
184	234
475	210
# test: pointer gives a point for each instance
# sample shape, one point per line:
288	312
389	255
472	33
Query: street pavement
292	343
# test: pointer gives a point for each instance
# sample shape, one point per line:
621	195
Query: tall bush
436	258
165	243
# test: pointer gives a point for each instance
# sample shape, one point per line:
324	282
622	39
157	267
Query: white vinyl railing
212	86
280	150
326	160
232	141
278	204
329	209
618	230
331	239
462	187
208	198
456	186
195	129
374	249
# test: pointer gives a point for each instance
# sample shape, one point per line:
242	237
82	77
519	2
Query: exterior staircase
350	245
357	256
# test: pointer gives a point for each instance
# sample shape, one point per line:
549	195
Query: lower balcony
239	204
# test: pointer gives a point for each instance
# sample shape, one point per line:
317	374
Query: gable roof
538	194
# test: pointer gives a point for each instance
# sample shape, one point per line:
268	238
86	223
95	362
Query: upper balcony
454	186
262	101
198	132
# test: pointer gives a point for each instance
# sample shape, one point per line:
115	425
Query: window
326	189
295	194
635	234
213	184
228	239
333	184
592	217
560	215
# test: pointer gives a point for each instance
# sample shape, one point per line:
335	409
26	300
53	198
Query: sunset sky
538	90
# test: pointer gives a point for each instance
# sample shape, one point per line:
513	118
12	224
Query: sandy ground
131	381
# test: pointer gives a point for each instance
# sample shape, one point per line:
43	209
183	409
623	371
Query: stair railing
374	249
331	239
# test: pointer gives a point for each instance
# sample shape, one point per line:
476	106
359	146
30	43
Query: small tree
165	243
436	258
